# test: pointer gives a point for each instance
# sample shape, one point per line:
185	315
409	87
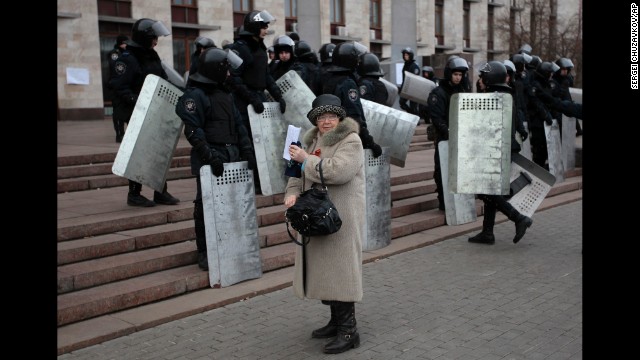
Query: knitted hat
323	104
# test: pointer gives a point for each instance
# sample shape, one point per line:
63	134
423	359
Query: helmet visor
263	16
234	60
361	49
159	29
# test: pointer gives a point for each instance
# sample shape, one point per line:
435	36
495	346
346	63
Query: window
336	15
466	24
184	11
240	9
490	35
439	21
375	21
119	8
183	47
290	15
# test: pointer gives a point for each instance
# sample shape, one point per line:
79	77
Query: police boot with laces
134	198
164	197
483	238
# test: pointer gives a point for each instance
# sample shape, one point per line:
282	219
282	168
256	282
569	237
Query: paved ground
450	300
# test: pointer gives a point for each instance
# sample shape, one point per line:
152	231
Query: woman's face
327	122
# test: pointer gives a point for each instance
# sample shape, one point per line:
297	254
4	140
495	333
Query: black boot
347	336
329	330
164	197
522	222
134	198
201	236
486	235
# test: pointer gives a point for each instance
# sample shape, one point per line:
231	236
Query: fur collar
345	127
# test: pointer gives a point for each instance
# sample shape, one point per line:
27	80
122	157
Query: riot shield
229	202
537	183
480	143
568	142
298	97
154	129
378	200
390	127
525	145
459	208
174	77
392	90
416	88
554	150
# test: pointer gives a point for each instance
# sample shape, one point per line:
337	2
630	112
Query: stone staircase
114	260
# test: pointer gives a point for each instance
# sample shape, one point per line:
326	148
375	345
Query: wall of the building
405	23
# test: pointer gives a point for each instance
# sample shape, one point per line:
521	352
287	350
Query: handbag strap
324	187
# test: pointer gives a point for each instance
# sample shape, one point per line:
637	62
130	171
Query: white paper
78	76
293	133
399	67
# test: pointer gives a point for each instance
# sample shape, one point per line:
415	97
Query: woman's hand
290	200
298	154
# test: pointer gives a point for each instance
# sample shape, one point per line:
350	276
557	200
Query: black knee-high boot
522	222
329	330
347	336
486	235
134	198
201	236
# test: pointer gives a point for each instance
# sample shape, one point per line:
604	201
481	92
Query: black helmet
520	61
204	43
455	64
544	70
535	61
346	55
144	31
213	65
294	36
326	51
511	67
565	63
429	70
254	21
409	51
494	73
525	49
369	65
303	49
283	42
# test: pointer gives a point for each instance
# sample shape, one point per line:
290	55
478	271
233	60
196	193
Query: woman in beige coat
332	268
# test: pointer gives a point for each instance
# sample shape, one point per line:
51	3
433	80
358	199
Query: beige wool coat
334	262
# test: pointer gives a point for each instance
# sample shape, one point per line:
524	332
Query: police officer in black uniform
494	77
213	126
120	109
283	46
201	44
438	100
326	52
371	88
306	64
411	67
342	83
130	70
539	113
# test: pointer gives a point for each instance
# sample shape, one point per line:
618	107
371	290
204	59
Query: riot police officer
201	44
371	88
306	64
283	46
326	53
539	113
120	111
438	101
213	126
410	66
130	70
494	77
342	83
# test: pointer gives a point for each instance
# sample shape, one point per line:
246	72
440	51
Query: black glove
548	120
376	149
217	167
283	105
443	133
524	135
251	159
258	106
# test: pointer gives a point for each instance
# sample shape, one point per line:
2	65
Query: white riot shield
480	143
390	127
153	132
459	208
298	97
229	202
269	130
525	145
392	90
531	184
554	150
378	200
174	77
416	88
576	94
568	142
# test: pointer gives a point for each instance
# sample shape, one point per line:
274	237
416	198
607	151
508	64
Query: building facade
478	30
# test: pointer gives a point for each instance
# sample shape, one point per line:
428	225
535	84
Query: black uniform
538	115
372	89
213	126
121	110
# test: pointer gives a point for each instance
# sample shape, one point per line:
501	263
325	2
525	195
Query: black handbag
313	213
